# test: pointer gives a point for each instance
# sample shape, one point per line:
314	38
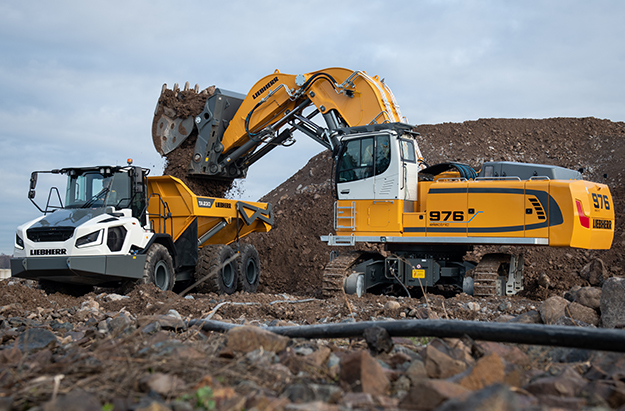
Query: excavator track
487	281
336	271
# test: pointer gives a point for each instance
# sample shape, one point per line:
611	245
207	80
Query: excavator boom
235	130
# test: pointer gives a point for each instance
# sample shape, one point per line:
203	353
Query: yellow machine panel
228	219
574	213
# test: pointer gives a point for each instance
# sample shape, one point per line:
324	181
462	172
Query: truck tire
216	270
158	270
249	269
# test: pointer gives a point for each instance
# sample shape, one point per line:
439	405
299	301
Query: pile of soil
293	257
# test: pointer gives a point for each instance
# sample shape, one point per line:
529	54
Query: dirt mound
292	255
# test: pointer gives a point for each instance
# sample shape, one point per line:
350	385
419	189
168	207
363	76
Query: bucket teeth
196	88
186	86
163	88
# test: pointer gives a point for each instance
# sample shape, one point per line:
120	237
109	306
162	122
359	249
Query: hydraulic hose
532	334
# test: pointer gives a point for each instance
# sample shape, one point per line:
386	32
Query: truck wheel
216	270
249	269
159	268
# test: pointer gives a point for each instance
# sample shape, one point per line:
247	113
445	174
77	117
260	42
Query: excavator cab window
363	158
408	152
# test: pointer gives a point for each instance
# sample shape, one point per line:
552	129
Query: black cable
533	334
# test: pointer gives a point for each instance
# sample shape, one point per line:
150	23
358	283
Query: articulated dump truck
117	227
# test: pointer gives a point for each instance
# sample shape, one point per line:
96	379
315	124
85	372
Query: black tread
207	270
248	254
336	271
156	252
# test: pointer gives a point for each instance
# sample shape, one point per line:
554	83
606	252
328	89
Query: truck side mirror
31	194
33	180
138	180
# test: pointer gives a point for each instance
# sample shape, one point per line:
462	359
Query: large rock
552	309
495	397
35	339
429	394
594	272
582	313
441	365
487	370
613	302
247	339
530	317
567	384
589	297
360	372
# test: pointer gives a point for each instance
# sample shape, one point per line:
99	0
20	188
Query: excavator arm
234	130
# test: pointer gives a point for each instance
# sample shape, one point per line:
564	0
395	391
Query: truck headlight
89	239
19	243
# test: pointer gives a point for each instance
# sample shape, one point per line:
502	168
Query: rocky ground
106	351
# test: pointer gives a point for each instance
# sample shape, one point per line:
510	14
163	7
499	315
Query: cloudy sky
79	80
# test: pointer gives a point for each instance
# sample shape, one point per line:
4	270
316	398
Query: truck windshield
93	190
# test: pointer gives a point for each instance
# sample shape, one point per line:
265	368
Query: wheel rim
251	271
161	275
227	275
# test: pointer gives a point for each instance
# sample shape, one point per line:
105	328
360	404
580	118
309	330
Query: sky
79	80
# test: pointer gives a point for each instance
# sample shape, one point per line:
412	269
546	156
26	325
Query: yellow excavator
426	217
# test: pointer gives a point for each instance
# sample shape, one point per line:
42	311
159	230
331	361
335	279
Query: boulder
589	297
429	394
247	339
552	309
360	372
530	317
582	313
440	365
495	397
487	370
594	272
613	302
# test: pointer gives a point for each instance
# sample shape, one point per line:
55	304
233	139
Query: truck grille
47	234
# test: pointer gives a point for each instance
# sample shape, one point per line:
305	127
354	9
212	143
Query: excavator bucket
174	116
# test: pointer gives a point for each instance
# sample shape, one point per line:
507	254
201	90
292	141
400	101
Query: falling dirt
188	104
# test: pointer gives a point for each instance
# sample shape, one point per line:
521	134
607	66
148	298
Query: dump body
218	220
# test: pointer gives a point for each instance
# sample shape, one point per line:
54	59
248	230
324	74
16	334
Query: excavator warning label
418	273
205	202
602	224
